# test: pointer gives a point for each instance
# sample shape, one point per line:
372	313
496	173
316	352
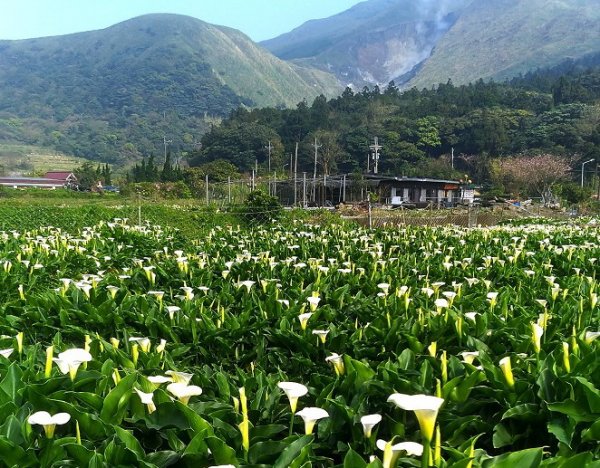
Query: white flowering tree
528	175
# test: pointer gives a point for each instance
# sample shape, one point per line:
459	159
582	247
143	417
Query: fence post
139	209
472	216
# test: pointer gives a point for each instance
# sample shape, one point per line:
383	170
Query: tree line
542	112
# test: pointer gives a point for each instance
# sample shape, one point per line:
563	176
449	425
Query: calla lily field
299	345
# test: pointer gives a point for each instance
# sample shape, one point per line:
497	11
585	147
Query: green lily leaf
115	403
294	453
354	460
530	458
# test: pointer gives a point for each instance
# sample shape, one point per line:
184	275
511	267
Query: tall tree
531	175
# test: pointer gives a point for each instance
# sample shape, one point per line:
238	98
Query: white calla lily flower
311	415
425	407
184	392
293	391
391	451
69	361
180	377
157	380
369	422
49	422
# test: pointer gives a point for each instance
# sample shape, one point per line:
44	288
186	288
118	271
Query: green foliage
87	176
155	75
239	326
479	121
158	190
260	207
218	170
573	193
243	144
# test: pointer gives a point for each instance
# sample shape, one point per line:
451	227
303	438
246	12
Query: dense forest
552	111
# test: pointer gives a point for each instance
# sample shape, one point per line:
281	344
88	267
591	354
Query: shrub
260	207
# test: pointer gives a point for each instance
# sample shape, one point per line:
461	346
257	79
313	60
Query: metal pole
324	197
314	188
344	189
370	213
206	182
304	189
275	183
139	209
597	181
295	173
582	172
295	191
229	189
269	148
253	180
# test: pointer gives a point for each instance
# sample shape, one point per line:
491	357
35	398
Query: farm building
69	179
394	191
52	180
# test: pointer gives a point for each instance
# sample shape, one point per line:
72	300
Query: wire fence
301	191
223	204
469	217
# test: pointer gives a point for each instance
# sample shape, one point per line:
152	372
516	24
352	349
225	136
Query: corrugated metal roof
378	178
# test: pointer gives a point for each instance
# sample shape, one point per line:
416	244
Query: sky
259	19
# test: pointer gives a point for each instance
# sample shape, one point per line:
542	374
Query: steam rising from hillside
438	10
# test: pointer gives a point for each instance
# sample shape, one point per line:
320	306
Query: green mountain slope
501	38
90	94
373	42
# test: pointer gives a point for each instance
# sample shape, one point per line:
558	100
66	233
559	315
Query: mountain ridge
373	42
120	83
512	40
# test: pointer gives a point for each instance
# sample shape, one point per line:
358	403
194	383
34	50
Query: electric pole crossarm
375	149
165	143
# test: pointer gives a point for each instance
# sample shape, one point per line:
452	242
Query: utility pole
304	190
375	148
295	174
269	148
316	145
206	183
165	142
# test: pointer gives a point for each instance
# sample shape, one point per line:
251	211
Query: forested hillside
113	94
553	111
